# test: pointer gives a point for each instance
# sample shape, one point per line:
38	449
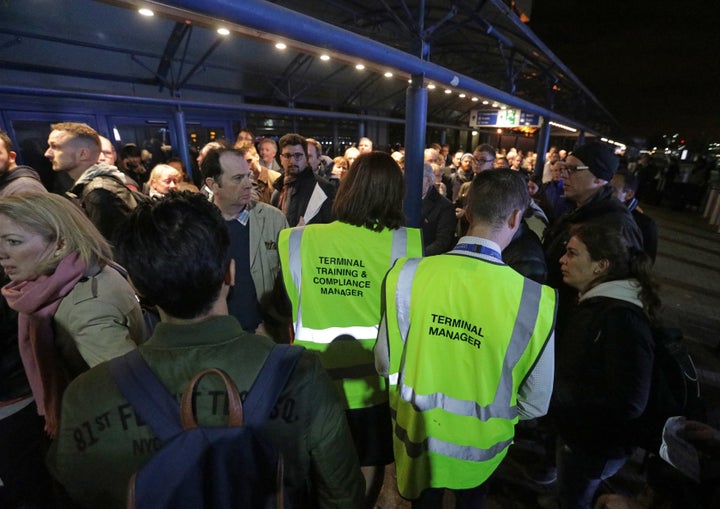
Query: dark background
655	65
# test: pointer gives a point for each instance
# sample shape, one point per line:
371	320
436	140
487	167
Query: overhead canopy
477	48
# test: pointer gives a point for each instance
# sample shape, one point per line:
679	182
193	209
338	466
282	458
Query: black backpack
674	390
229	467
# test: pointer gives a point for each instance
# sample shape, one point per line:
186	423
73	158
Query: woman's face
578	270
21	250
166	181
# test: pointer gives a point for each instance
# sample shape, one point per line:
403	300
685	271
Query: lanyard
479	248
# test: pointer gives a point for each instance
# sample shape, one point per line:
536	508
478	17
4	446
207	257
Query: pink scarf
36	302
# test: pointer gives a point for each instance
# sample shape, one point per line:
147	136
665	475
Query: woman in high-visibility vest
333	275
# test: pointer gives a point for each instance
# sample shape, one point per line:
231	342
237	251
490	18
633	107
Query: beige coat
99	319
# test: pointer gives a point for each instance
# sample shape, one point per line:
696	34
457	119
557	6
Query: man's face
63	151
365	145
107	151
234	189
7	158
456	159
293	158
313	158
267	152
556	168
484	160
579	182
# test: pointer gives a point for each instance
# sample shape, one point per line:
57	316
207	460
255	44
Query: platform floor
688	270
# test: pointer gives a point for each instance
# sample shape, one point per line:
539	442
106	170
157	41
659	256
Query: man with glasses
590	200
301	195
485	157
253	227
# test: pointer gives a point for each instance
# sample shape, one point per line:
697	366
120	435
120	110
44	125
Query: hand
701	435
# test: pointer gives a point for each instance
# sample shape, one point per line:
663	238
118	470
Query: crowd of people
516	299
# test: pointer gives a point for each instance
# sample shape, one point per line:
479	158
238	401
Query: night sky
655	65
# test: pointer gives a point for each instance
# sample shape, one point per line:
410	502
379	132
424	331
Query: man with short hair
625	186
108	154
267	148
485	157
438	214
300	194
100	189
585	180
462	375
253	227
101	443
14	178
314	151
130	162
365	145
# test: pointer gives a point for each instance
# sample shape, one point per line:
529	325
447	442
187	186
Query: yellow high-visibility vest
459	347
333	275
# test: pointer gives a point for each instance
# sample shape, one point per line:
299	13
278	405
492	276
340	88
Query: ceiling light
281	45
503	107
431	86
486	102
475	99
410	80
388	74
223	31
462	96
494	105
475	133
146	12
359	67
324	57
448	91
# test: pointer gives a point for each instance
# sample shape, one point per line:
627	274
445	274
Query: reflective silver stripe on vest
295	262
402	307
461	452
328	335
402	295
501	407
399	245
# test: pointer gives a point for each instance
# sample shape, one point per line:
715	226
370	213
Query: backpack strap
269	383
149	398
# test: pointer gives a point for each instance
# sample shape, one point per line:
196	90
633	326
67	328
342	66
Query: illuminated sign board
503	118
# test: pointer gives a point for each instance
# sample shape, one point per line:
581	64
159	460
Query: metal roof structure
476	48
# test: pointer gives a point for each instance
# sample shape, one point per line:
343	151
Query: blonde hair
156	173
57	220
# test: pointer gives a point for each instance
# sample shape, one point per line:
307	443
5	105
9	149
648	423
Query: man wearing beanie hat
590	200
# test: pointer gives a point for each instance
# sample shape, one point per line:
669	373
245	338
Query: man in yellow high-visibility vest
466	354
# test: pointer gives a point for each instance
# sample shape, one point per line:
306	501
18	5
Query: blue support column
181	140
542	147
416	119
580	139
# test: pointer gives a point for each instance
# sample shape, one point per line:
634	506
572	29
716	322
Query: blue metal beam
274	19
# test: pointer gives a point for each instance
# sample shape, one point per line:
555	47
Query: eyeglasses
570	170
296	155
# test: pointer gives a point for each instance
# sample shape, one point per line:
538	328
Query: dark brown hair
371	193
625	261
